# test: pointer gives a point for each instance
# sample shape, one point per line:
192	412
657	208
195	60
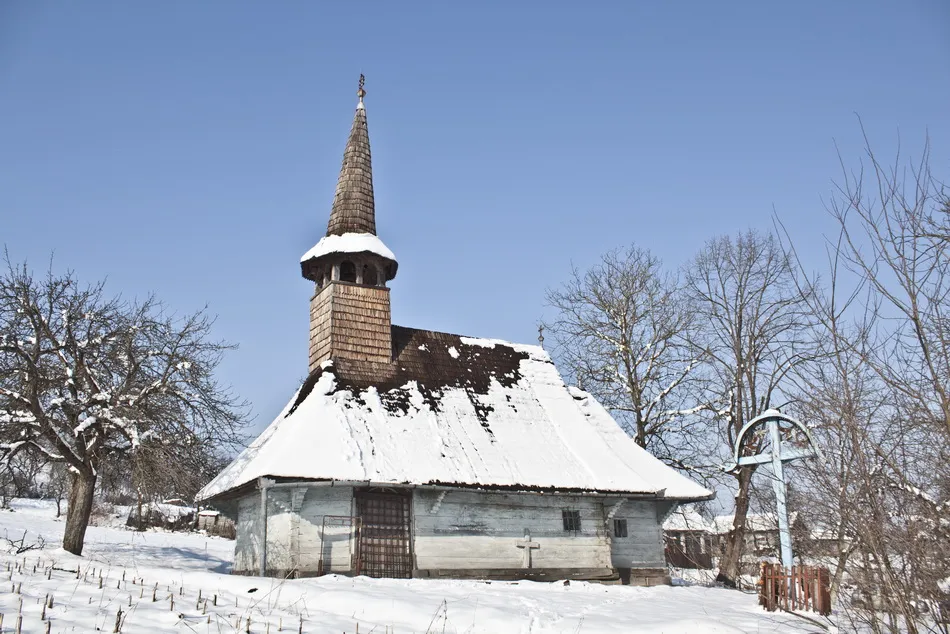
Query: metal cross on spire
787	440
361	92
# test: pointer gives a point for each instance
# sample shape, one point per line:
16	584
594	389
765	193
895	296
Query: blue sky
191	149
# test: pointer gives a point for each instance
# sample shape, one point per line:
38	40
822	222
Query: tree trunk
735	540
81	490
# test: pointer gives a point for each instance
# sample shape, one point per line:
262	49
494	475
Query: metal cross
527	545
788	440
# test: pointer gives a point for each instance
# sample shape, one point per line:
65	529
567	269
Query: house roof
754	522
454	411
686	518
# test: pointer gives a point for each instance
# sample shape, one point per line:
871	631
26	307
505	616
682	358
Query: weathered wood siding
339	542
321	307
247	544
278	530
456	530
469	530
294	524
350	321
643	546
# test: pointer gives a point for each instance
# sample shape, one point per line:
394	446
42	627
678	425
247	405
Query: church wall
294	526
643	546
247	544
459	533
278	529
470	531
338	543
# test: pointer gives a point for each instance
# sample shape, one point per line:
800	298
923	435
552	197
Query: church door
384	540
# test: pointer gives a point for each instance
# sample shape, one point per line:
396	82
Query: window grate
572	520
620	528
384	535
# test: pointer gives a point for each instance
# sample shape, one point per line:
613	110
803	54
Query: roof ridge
494	340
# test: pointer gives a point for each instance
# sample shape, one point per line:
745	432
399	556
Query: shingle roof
452	410
354	209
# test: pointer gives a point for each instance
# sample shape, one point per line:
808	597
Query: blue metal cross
788	440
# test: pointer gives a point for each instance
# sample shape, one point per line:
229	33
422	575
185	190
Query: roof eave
285	482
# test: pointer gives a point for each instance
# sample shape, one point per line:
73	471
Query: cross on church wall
527	545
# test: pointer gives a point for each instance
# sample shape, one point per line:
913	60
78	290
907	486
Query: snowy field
187	576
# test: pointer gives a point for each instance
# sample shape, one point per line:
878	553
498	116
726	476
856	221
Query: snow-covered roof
349	243
452	411
686	518
763	522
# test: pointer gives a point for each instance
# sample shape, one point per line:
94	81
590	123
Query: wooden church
413	453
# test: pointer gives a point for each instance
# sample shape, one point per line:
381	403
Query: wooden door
384	534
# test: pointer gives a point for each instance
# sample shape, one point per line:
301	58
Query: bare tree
159	471
752	328
895	237
879	399
620	330
86	379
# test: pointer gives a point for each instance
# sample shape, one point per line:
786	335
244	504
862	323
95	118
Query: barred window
572	520
620	528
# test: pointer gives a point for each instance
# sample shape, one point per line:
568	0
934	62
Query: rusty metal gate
384	538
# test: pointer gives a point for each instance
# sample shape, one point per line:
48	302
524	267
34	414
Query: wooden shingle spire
354	209
350	315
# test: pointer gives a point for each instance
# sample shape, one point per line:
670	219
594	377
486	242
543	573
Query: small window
620	528
572	520
347	271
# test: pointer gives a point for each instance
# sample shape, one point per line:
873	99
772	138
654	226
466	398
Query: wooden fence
805	588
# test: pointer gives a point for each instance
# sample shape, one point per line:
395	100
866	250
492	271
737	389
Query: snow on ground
176	567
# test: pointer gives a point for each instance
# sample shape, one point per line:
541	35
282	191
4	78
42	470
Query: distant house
689	539
171	515
761	534
819	539
214	523
415	453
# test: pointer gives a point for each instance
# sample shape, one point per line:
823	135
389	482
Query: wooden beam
263	484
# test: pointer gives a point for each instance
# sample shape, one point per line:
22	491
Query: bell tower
350	266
